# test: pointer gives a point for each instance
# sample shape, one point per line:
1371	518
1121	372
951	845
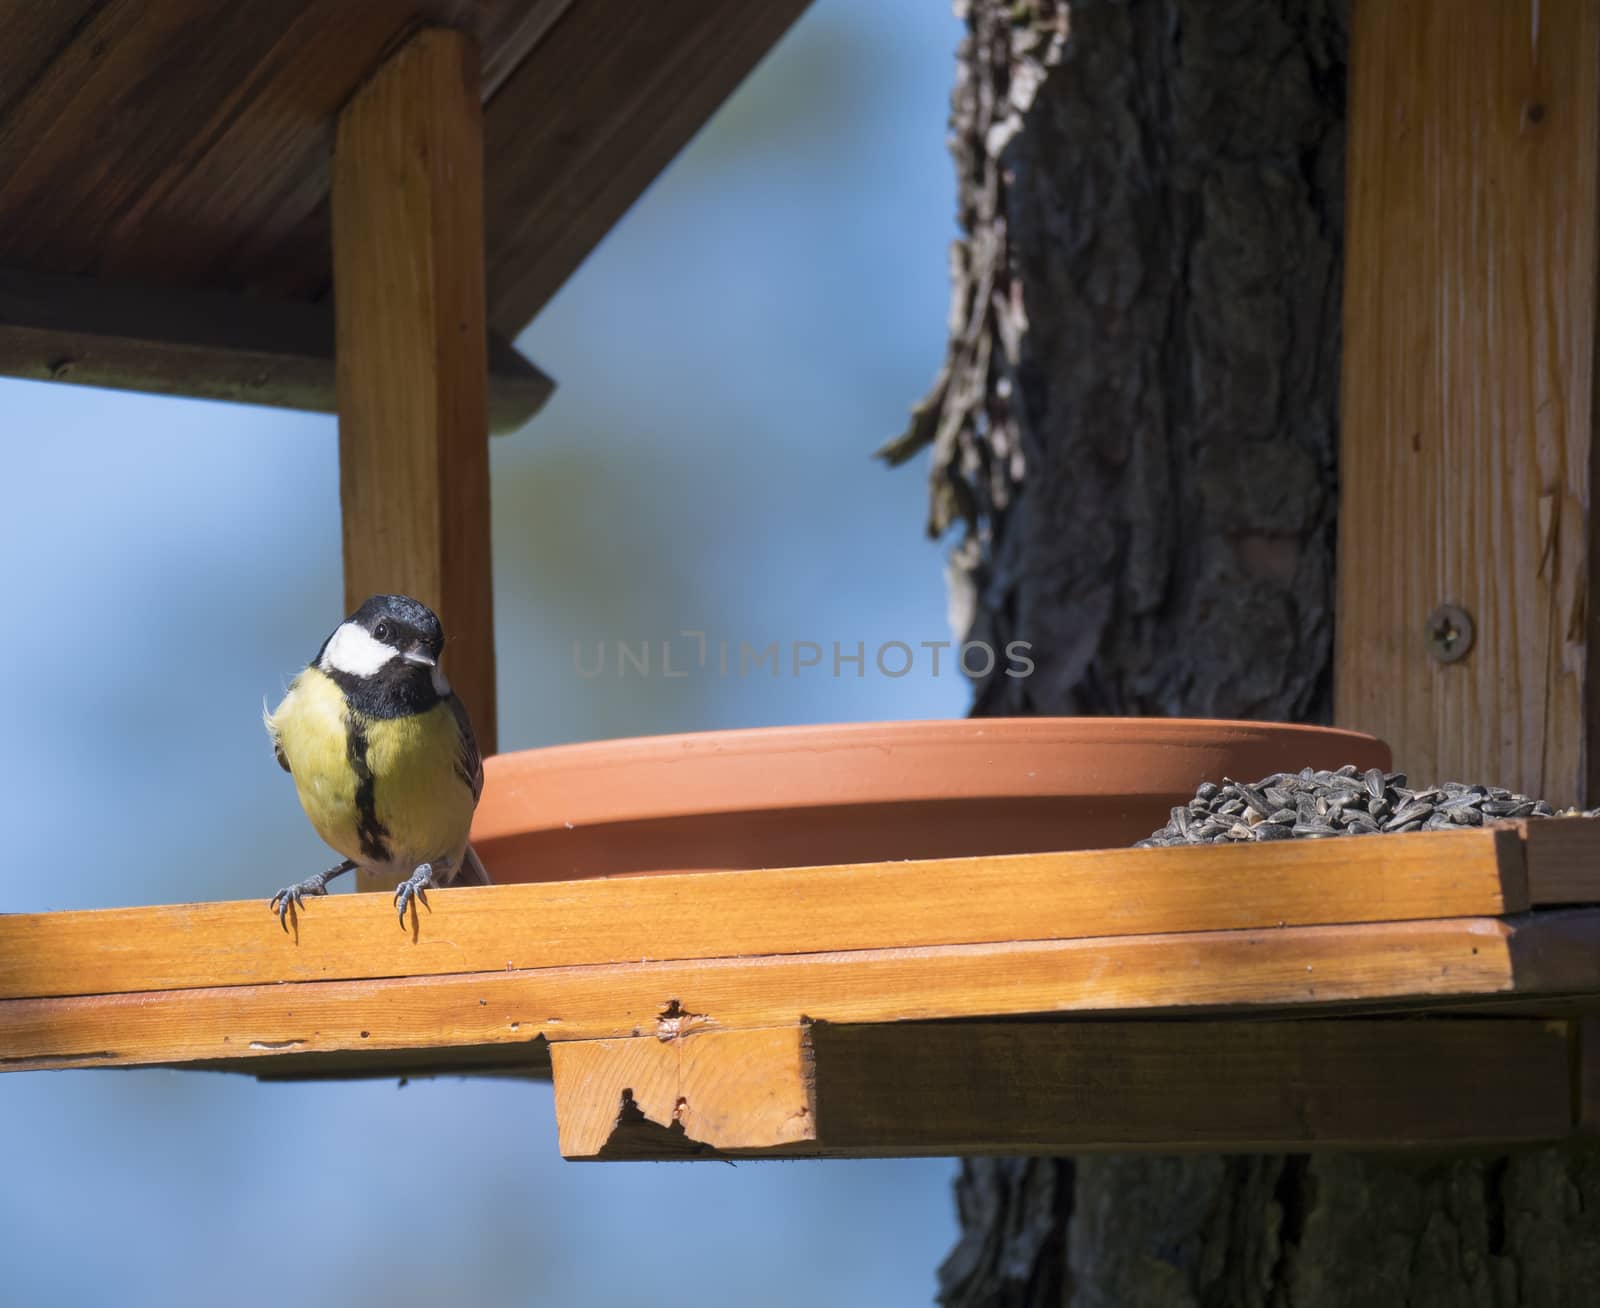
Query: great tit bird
382	754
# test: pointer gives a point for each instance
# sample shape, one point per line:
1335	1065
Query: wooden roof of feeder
164	171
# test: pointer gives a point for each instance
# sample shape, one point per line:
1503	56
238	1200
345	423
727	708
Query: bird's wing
469	763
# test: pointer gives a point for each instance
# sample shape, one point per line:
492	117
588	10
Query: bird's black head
406	626
385	656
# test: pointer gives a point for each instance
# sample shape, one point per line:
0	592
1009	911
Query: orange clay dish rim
862	764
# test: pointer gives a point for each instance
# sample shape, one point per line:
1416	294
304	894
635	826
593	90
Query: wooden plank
412	352
1294	969
913	1089
1234	1087
590	118
725	1091
286	129
121	98
1563	860
177	142
1086	893
1467	422
204	345
214	174
35	34
303	64
286	246
524	1062
184	144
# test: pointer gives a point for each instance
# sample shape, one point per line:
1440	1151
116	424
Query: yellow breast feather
421	799
310	728
422	806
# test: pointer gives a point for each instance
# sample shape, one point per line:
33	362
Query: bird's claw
414	887
295	895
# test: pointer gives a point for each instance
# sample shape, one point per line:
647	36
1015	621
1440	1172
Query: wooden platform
1400	991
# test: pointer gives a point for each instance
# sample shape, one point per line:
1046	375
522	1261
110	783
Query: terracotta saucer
869	792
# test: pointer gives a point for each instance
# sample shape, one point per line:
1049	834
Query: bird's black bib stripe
396	690
371	832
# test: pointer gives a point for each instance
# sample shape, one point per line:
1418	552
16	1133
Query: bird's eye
381	633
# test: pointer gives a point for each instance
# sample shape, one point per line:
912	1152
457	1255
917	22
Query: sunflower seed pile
1311	805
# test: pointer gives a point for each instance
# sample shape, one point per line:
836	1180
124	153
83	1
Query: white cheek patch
352	650
441	683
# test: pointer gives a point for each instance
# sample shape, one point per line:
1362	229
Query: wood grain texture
34	35
1160	1086
589	119
913	1089
412	352
1074	895
205	345
289	249
1562	856
1384	966
286	247
1466	437
181	143
723	1092
185	143
129	93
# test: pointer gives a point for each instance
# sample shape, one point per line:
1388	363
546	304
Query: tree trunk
1135	430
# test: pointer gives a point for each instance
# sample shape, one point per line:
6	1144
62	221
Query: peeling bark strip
1134	428
1135	424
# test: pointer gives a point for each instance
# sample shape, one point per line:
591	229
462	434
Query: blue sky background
727	361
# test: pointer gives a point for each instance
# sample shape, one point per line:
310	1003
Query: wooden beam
725	1091
204	345
915	1089
598	108
1467	449
1382	966
1075	895
1563	860
412	351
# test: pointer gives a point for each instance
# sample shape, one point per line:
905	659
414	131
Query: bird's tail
473	872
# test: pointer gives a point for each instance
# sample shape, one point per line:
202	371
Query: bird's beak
420	656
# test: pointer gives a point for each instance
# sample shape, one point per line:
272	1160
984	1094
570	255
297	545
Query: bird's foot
295	894
416	886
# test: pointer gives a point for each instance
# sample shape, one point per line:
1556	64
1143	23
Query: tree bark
1135	434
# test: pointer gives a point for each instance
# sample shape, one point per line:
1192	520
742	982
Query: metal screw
1449	633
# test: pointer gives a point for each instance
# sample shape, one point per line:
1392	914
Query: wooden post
1467	446
412	350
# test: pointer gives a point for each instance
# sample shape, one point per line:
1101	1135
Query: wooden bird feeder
357	207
